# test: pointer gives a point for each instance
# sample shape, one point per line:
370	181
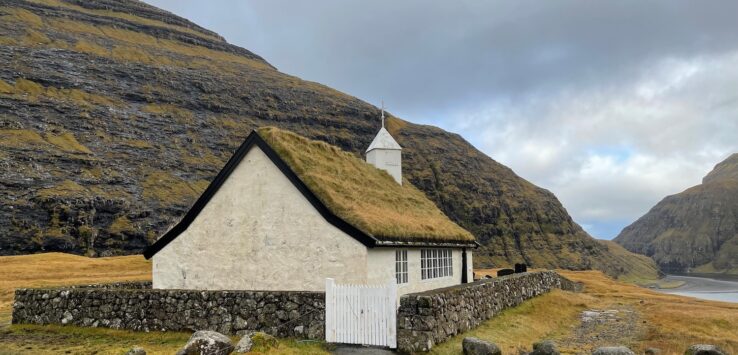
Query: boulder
244	345
207	342
613	350
546	347
704	349
653	351
474	346
136	350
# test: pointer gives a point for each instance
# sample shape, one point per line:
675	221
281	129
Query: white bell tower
385	153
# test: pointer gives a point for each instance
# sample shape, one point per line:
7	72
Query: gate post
330	310
392	313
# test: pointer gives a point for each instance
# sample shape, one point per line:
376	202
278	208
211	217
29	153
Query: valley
116	115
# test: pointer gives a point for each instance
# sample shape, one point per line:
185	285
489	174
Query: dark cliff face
695	230
115	115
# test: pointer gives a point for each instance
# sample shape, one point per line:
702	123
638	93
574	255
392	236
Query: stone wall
424	319
428	318
135	307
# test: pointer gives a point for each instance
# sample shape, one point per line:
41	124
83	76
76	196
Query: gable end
254	139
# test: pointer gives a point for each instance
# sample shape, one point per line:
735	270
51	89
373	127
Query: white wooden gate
361	314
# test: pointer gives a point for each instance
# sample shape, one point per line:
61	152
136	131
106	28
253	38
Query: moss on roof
362	195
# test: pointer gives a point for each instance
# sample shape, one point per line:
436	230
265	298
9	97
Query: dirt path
611	326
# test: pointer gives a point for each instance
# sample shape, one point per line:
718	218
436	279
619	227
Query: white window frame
401	273
436	263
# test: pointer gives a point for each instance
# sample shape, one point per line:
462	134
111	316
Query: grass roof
362	195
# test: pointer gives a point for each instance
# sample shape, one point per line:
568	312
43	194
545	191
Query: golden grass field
671	323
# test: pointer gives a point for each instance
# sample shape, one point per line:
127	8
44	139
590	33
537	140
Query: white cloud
611	105
611	153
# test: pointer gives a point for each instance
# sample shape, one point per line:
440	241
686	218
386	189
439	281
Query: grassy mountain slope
635	268
115	115
695	230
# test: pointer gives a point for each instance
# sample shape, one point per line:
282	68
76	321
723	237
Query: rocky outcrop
115	115
695	230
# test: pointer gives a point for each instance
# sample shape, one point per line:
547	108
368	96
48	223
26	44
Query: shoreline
708	288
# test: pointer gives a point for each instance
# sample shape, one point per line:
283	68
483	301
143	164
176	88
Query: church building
287	212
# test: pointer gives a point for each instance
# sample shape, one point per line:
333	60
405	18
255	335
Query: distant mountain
695	230
115	115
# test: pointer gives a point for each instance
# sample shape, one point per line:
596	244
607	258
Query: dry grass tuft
67	143
28	139
23	16
28	87
21	138
33	91
121	225
91	48
164	187
179	114
361	194
125	16
35	38
66	188
5	88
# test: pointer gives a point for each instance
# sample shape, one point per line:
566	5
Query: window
401	266
435	263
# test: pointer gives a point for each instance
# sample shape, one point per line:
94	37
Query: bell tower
385	153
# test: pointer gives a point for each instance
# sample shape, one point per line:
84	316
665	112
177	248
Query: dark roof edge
428	244
202	201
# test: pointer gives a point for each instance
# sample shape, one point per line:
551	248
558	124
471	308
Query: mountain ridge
111	124
695	230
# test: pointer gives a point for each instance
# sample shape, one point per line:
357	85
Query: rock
653	351
474	346
244	345
207	342
136	350
704	349
613	350
263	341
545	347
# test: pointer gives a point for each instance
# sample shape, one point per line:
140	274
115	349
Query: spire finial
382	113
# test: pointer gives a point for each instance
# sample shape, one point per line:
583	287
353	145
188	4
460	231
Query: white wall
389	160
381	266
259	233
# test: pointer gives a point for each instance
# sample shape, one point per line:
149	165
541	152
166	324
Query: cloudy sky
610	105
